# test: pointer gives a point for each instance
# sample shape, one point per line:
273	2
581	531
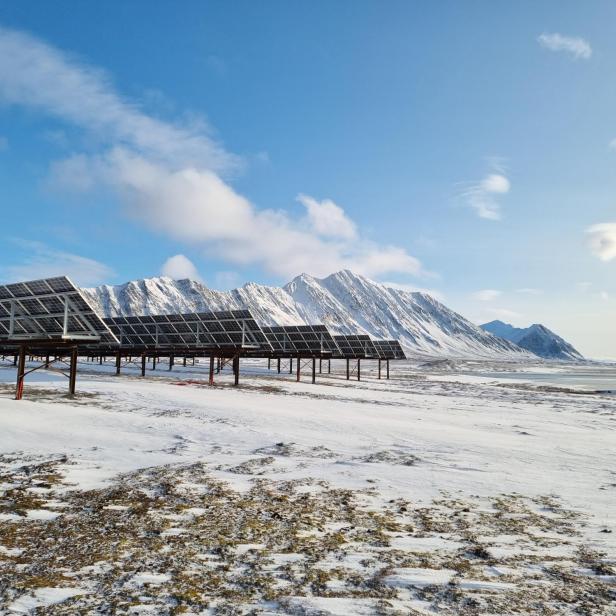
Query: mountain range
345	302
537	339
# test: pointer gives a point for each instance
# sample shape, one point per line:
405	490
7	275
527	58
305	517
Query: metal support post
211	381
21	370
236	369
72	376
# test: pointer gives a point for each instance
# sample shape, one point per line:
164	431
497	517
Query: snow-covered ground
440	490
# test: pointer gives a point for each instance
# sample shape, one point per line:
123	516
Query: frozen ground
444	490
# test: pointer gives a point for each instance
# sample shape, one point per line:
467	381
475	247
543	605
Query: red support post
21	370
211	380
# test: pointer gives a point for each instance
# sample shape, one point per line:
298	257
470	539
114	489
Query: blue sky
464	148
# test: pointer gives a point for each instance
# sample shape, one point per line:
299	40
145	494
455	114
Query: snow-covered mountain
344	301
537	339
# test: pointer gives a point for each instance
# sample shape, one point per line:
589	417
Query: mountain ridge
345	302
536	338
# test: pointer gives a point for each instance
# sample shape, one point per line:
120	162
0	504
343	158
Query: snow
472	437
345	302
43	597
424	435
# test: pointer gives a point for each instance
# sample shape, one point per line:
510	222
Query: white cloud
483	196
168	176
327	218
179	267
605	296
602	240
35	74
40	261
486	295
576	46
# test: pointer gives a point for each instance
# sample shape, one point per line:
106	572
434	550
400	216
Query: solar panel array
356	346
389	349
229	329
301	340
51	309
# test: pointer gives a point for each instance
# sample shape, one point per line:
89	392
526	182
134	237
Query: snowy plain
449	439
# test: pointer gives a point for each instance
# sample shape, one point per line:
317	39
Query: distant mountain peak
536	338
344	301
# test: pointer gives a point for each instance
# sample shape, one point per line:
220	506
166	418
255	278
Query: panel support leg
72	376
358	370
279	365
299	367
314	369
348	369
387	369
118	363
21	369
379	369
236	369
320	365
290	365
153	362
184	362
329	366
143	362
47	361
171	361
211	380
269	363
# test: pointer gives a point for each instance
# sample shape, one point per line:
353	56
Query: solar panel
389	349
229	329
52	309
356	346
301	340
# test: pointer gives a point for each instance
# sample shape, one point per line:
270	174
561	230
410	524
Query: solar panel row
355	346
389	349
54	309
47	310
301	339
216	330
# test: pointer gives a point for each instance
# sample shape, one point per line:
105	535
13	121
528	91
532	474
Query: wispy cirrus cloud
602	240
483	196
575	46
41	261
171	177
